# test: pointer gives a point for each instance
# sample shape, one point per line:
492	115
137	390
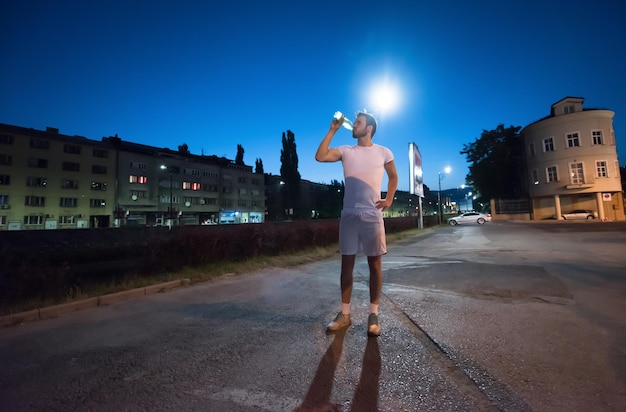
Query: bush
49	266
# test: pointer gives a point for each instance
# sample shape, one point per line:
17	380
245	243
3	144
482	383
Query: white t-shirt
363	170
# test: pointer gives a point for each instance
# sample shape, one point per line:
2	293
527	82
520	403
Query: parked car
470	217
579	214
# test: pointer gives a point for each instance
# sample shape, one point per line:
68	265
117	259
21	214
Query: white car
470	217
579	214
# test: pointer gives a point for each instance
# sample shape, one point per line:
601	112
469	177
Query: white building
572	162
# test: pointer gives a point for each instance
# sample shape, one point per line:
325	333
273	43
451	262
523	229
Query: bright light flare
385	97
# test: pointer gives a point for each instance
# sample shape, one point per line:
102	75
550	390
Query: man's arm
392	185
324	152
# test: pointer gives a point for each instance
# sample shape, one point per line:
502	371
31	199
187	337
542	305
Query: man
361	228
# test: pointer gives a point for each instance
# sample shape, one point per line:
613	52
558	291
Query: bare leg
376	278
347	268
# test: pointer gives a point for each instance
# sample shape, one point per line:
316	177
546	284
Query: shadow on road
365	398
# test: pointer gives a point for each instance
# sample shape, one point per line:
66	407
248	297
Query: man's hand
335	125
384	204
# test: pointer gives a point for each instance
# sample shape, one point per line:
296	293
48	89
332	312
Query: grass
202	274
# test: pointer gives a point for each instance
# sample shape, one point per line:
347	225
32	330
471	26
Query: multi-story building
53	181
571	161
163	187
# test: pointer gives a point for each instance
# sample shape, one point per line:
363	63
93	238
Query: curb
51	312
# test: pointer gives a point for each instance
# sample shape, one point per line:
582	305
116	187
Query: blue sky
216	74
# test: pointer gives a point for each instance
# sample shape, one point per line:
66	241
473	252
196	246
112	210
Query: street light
441	176
163	167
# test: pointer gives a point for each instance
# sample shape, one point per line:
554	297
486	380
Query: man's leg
347	270
376	280
376	287
342	320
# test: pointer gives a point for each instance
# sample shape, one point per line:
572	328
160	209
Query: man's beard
356	136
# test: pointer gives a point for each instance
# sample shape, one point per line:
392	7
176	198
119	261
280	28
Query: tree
497	164
259	166
239	158
289	172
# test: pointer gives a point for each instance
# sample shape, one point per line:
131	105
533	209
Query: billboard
417	177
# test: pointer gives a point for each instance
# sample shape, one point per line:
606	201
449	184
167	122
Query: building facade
572	163
54	181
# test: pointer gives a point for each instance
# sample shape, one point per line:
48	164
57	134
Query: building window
6	138
6	159
71	166
5	180
192	172
551	174
4	201
100	153
548	144
39	144
3	220
40	163
531	148
69	184
191	186
98	170
569	109
257	182
596	136
137	194
576	172
208	173
602	169
67	220
208	201
68	202
142	180
34	201
166	199
99	186
138	165
209	188
36	181
242	203
33	220
97	203
573	140
71	148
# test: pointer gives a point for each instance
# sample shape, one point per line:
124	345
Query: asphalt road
504	316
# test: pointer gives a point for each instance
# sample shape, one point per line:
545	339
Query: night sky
214	74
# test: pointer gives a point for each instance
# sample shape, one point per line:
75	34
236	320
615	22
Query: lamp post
439	208
163	167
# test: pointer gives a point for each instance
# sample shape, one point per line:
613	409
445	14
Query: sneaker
341	321
373	329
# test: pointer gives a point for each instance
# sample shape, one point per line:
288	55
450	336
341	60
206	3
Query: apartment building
572	163
164	187
54	181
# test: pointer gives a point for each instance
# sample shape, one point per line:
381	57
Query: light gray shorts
362	231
